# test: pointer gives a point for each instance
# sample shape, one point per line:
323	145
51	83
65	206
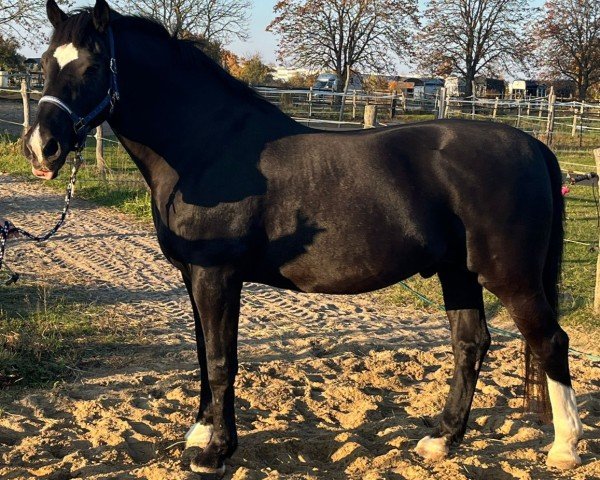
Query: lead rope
7	229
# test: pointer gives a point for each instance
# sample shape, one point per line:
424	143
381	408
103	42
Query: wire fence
568	126
571	128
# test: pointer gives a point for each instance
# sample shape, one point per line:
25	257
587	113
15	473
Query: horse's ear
101	15
55	14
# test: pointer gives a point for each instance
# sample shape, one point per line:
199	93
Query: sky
260	41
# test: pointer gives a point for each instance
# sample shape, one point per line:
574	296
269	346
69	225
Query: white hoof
219	472
433	449
563	457
198	436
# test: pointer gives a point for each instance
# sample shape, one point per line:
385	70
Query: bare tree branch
472	37
568	37
342	34
25	21
213	20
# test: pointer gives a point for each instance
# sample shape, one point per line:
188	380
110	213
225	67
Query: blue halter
81	125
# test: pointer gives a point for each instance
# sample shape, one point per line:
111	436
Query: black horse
242	193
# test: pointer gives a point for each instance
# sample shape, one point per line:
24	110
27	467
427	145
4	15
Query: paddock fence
571	128
567	126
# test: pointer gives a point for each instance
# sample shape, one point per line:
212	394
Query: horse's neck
171	112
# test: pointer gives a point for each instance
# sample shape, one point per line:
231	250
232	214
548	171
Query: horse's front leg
201	432
216	294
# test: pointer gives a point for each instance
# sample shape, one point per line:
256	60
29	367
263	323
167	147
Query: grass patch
121	188
45	337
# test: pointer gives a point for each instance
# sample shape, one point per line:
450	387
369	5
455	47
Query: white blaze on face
35	143
567	426
65	54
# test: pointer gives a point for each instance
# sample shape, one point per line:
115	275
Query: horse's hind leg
549	344
463	298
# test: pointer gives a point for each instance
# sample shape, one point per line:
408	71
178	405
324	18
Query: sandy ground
329	387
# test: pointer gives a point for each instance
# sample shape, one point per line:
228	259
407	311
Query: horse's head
77	70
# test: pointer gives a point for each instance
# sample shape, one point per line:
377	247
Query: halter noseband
81	125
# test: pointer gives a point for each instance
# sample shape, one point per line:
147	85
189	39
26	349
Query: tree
569	42
339	35
255	71
9	58
231	62
212	20
301	80
473	37
375	83
24	19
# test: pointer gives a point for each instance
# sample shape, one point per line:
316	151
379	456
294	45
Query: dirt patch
329	387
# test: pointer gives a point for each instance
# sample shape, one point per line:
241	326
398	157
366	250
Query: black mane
187	52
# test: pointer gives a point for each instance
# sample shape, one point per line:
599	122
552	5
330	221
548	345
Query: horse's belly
344	270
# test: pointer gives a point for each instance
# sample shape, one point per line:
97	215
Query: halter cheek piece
81	125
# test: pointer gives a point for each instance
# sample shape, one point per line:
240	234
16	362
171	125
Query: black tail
536	387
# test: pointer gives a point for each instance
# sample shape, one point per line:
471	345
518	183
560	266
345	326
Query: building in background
419	87
528	88
485	87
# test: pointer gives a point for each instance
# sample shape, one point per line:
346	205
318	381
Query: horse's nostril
51	150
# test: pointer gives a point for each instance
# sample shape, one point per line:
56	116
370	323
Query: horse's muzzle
44	152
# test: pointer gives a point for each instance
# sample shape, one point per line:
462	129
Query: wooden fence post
473	98
354	105
310	100
393	104
441	113
581	113
495	109
100	161
597	289
370	116
26	105
550	122
518	113
574	129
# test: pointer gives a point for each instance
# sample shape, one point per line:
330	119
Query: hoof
198	436
433	449
563	458
190	459
207	472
